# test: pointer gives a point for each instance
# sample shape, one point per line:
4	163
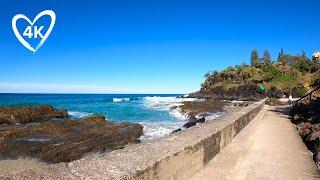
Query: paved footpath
268	148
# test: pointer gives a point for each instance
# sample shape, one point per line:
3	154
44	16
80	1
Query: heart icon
44	38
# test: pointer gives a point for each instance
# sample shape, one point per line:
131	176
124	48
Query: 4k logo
33	31
37	32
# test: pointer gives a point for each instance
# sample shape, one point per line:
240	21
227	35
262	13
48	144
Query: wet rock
192	109
65	140
177	130
202	120
190	123
274	102
30	114
193	121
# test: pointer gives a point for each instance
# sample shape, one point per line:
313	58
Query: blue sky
166	46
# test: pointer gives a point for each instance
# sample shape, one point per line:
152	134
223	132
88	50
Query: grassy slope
288	73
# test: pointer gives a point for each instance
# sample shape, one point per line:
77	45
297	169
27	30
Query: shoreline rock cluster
191	122
199	111
49	134
244	92
306	116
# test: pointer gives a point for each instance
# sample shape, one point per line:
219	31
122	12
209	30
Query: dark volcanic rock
192	122
306	116
246	92
274	92
65	140
202	120
195	108
29	114
177	130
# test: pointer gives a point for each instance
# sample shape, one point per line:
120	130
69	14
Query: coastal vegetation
289	74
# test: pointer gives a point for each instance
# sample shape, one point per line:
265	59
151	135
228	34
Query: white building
316	55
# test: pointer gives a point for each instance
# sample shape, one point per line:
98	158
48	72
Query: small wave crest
78	114
120	99
210	116
166	104
156	130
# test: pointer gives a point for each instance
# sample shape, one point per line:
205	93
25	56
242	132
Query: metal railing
309	95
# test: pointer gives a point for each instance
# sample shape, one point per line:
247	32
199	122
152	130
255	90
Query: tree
207	74
280	54
266	58
304	54
254	58
316	81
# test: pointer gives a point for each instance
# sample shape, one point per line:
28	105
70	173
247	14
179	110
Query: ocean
153	111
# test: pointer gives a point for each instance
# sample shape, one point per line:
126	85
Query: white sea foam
166	104
177	114
235	101
210	116
120	99
77	114
156	130
159	129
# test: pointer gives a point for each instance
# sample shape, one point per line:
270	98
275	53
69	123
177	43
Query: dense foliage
288	72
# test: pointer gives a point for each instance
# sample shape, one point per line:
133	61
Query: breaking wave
120	99
78	114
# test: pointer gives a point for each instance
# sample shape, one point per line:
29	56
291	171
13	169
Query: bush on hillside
287	73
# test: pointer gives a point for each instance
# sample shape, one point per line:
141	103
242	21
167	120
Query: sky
143	46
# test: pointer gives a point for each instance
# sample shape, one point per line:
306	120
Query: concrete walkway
268	148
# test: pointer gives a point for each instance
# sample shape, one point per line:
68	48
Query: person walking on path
290	100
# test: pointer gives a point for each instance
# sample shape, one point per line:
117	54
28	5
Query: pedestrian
290	100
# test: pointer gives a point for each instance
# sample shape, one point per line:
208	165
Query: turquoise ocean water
153	111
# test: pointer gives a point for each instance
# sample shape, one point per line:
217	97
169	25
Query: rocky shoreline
50	135
306	116
42	135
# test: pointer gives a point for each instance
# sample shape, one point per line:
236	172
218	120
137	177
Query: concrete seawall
177	156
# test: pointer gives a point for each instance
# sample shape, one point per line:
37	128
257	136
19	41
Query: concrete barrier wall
177	156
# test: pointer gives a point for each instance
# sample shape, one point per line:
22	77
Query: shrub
301	91
315	81
269	72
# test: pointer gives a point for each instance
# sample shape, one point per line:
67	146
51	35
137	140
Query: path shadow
282	110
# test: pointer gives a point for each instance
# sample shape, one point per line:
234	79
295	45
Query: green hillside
287	73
